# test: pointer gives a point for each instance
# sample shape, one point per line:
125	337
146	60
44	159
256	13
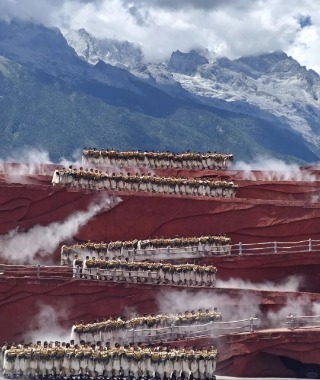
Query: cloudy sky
227	27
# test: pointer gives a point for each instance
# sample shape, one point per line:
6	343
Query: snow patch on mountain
117	53
273	82
271	85
247	79
46	50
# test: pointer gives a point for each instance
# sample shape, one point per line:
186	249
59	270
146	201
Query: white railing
33	271
196	252
170	333
303	321
276	247
201	279
174	253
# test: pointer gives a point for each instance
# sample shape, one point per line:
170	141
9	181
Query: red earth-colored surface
266	353
264	210
23	296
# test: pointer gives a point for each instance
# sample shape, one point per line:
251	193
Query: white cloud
41	240
273	170
306	47
47	325
228	27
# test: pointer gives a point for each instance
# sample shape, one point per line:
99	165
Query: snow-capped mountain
18	40
186	63
47	50
250	106
116	53
273	83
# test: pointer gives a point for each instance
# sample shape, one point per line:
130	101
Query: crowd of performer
157	160
95	179
145	328
86	360
149	248
142	271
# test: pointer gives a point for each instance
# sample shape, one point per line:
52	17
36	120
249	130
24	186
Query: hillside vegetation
39	110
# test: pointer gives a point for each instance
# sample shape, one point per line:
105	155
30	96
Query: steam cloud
290	284
46	326
295	306
33	161
232	307
30	156
273	170
23	247
180	301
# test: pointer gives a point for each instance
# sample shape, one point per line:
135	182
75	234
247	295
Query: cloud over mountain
226	27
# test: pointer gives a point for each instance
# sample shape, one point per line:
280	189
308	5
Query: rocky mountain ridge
46	89
117	53
272	82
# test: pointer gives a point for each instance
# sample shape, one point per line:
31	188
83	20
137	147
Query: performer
76	266
86	270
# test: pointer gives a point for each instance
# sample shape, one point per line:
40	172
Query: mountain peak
35	44
83	31
265	62
186	63
110	51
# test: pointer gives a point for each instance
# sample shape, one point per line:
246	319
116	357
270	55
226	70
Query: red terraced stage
263	211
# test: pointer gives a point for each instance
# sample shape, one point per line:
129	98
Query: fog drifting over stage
227	28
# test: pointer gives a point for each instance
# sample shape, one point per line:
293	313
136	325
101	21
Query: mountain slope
63	107
39	110
271	86
117	53
273	82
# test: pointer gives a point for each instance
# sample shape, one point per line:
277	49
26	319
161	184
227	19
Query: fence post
38	271
310	245
251	325
292	322
275	247
77	272
211	327
240	248
172	332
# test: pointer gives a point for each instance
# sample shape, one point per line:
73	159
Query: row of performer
80	178
171	248
158	273
98	361
158	334
158	160
149	321
147	329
